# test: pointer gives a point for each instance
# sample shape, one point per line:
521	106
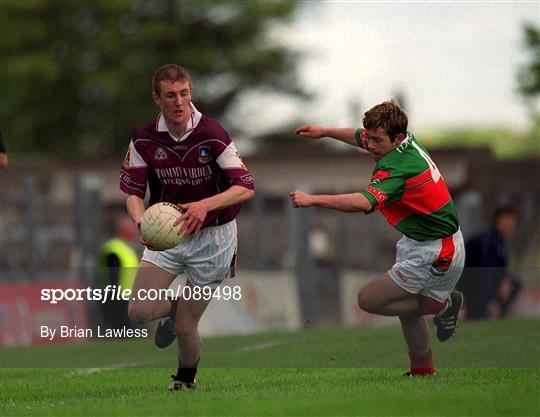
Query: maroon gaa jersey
201	163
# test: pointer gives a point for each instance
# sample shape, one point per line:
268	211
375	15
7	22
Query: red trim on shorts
427	305
446	255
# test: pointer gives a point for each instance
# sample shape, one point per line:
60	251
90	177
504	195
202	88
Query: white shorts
206	259
431	268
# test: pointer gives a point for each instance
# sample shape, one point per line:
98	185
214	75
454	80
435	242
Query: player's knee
184	329
138	314
364	302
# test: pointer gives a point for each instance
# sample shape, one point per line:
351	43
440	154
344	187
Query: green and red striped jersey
408	189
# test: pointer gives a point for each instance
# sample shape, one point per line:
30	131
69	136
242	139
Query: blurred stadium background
75	81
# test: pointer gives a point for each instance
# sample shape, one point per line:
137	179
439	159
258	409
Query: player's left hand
301	199
193	217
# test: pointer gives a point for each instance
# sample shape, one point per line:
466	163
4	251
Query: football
157	226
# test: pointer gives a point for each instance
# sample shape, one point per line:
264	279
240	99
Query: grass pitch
487	369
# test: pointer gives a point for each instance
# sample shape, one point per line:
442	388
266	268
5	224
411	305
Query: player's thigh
191	306
211	260
145	297
150	276
380	292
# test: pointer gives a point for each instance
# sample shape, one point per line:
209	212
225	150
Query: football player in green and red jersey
408	189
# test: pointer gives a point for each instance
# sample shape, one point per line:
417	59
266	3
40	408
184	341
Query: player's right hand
311	131
193	217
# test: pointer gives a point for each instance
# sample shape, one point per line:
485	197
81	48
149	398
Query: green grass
488	369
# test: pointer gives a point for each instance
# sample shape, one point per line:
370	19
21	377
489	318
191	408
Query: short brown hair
388	115
169	72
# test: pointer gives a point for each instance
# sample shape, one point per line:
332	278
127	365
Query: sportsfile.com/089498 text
114	292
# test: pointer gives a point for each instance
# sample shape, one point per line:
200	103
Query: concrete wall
270	303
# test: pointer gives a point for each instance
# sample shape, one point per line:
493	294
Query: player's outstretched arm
345	134
353	202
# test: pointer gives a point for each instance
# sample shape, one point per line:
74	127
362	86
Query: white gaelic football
157	225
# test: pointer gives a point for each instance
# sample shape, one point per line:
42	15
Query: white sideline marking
134	364
84	371
259	346
121	365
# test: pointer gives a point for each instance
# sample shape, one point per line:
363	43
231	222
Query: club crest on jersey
379	176
242	165
204	154
125	164
160	154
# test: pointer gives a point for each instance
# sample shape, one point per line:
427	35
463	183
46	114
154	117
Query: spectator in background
118	262
3	155
488	288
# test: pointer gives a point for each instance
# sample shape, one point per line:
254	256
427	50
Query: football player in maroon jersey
188	159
